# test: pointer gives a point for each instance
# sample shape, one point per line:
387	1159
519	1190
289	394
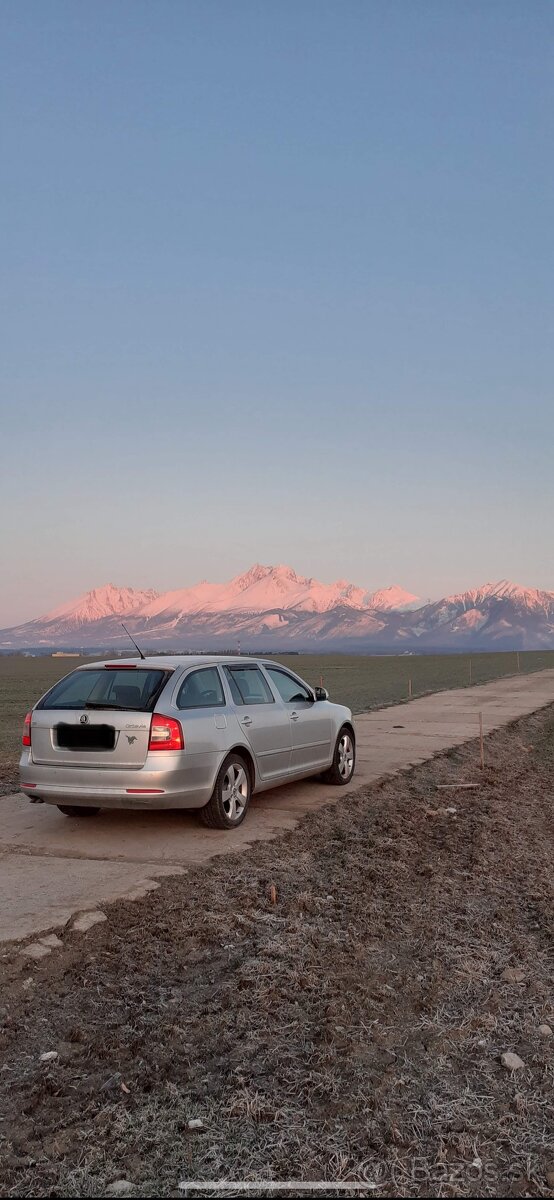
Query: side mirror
321	693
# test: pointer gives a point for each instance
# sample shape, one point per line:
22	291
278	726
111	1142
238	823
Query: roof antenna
133	640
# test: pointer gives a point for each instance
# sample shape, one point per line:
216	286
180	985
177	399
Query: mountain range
271	607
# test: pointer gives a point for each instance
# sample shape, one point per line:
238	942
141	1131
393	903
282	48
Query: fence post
481	742
409	689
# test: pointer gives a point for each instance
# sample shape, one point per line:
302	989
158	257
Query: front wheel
78	810
344	759
231	795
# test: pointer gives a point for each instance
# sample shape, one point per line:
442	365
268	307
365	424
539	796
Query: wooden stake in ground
409	689
481	742
470	674
273	894
455	787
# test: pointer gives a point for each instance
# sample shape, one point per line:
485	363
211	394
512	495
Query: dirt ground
351	1031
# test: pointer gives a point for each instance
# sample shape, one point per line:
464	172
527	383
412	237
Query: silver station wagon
181	732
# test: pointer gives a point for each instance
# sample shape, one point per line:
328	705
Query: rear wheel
231	795
78	810
344	759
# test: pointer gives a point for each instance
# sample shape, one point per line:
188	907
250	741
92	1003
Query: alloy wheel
346	756
234	793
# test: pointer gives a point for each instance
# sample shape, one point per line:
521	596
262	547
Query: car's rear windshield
134	690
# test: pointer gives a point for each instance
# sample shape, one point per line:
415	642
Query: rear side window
201	689
135	690
248	686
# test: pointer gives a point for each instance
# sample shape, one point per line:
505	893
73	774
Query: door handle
294	716
246	721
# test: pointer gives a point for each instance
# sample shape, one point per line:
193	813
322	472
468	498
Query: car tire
78	810
344	759
231	795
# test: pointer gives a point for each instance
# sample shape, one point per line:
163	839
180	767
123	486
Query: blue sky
277	286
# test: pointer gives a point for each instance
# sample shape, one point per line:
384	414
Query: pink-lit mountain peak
258	572
260	589
274	588
274	606
265	589
392	599
280	587
106	601
503	589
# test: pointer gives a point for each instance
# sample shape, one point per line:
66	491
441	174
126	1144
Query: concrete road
52	867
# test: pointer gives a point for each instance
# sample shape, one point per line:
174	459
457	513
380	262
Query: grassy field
362	682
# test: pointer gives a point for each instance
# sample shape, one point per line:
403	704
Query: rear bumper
169	786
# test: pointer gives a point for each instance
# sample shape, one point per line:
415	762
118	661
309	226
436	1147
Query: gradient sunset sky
277	284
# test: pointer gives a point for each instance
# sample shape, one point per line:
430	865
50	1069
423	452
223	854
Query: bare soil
351	1031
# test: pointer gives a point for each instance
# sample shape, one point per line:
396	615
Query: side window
201	689
248	685
290	690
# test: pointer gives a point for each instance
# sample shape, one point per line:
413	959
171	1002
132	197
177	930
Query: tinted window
290	690
134	690
201	689
248	686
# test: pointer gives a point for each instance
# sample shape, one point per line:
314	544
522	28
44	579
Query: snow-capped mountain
528	598
83	614
102	602
274	607
262	589
392	599
499	614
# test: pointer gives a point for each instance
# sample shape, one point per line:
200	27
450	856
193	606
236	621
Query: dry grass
349	1031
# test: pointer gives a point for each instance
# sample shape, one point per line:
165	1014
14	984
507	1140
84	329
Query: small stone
512	1062
81	925
513	975
195	1123
36	951
50	1056
51	940
28	983
550	1178
545	1031
121	1187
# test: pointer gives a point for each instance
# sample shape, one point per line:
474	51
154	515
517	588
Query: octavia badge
84	719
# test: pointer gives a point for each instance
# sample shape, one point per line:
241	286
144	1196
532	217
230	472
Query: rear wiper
98	704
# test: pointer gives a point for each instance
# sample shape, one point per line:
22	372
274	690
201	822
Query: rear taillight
26	739
165	734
